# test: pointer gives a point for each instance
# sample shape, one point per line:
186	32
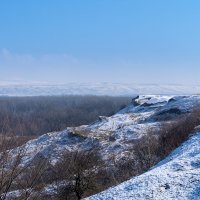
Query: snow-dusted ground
17	88
113	135
177	177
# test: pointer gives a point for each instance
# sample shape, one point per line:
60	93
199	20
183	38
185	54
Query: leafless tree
14	175
79	170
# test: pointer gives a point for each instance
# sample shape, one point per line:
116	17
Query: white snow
119	130
176	177
153	99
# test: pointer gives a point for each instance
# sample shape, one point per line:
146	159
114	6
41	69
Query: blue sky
126	41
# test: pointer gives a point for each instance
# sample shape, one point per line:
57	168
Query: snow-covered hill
113	135
39	89
177	177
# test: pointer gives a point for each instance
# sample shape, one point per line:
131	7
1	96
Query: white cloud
29	67
18	60
67	68
55	68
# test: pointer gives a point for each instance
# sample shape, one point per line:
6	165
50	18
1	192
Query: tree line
33	116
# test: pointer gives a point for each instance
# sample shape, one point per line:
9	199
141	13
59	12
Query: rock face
114	134
134	102
176	177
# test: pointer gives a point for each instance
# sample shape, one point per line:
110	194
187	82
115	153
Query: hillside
115	136
176	177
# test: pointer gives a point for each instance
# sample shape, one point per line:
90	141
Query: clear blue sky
141	41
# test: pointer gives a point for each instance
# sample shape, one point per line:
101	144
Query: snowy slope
113	135
176	177
39	89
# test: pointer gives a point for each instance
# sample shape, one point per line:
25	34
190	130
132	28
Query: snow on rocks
152	99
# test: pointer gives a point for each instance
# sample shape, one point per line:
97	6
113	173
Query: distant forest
33	116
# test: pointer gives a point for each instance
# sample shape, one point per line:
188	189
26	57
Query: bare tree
14	175
79	170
